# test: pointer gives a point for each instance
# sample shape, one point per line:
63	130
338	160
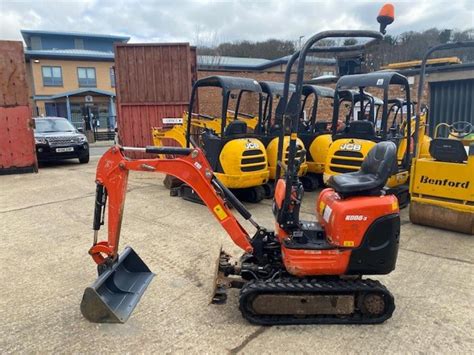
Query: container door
17	146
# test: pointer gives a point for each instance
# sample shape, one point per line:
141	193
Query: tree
391	40
269	49
407	46
350	42
444	36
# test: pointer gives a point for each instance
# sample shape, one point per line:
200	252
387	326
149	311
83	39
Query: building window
112	77
78	43
86	77
52	76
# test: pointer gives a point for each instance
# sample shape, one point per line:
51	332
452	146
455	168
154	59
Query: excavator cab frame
250	119
290	109
397	108
289	104
228	85
314	132
370	105
236	156
352	144
313	125
271	91
268	129
379	80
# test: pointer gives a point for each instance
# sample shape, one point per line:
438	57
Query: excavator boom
190	166
122	280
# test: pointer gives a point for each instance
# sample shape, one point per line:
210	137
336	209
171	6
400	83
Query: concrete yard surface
45	229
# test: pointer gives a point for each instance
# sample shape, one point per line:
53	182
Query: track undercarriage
278	298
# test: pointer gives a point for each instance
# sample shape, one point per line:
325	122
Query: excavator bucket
114	295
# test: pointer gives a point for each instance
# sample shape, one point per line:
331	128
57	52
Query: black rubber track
310	182
316	287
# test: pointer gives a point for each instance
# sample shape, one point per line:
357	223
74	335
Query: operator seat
379	164
359	129
235	128
322	127
448	150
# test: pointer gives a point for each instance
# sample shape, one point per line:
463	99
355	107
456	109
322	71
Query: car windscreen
45	125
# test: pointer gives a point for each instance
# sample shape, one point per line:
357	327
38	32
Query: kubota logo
444	182
350	146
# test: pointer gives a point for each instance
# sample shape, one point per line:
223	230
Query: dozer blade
114	295
218	295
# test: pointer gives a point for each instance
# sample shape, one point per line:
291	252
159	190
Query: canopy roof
381	79
229	83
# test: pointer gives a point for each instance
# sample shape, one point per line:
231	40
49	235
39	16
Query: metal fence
451	101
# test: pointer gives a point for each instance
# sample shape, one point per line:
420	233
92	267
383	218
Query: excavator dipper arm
190	166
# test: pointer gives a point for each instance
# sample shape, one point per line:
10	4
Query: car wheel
84	159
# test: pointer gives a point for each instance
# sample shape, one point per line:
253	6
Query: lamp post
299	42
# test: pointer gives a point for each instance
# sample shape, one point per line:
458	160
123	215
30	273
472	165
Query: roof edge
73	34
81	91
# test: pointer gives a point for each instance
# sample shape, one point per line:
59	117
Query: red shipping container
17	145
154	81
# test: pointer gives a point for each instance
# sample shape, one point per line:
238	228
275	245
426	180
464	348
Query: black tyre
403	199
84	159
310	182
254	194
269	190
320	180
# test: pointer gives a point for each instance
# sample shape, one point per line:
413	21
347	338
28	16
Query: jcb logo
350	146
251	145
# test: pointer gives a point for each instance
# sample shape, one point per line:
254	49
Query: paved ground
97	151
45	228
98	148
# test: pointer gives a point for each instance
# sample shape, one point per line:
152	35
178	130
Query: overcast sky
210	22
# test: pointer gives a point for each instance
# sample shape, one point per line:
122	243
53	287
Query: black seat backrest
448	150
274	130
321	126
381	161
378	165
212	146
364	128
236	128
359	129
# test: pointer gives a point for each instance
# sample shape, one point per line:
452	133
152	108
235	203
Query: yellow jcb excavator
237	157
351	145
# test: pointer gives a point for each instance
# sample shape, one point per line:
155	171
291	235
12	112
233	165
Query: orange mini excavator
304	272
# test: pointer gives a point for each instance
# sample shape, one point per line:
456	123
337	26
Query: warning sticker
220	213
395	205
327	213
321	206
172	120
